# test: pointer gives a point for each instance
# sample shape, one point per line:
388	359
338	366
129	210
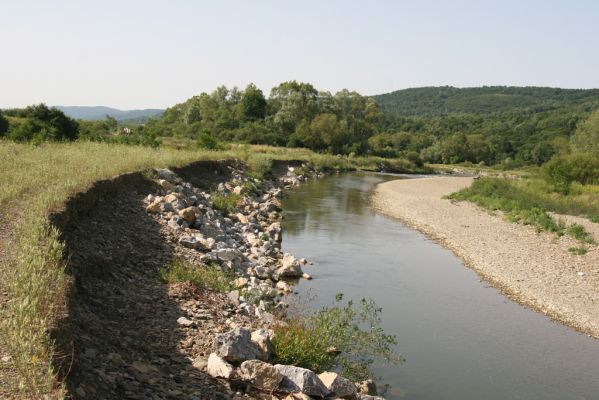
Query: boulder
241	218
339	386
154	207
240	283
189	241
284	286
301	380
367	387
218	368
263	272
290	267
166	185
167	174
261	338
189	214
261	375
236	346
233	297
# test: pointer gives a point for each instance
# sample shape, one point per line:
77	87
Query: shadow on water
120	331
462	340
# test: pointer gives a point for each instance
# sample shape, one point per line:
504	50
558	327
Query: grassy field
37	180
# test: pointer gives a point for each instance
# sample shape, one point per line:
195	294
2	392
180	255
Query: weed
580	250
347	338
579	233
226	203
207	276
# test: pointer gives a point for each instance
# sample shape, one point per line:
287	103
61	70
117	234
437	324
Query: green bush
206	276
208	142
259	165
226	203
560	172
346	338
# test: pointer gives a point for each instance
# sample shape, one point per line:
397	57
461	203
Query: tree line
296	114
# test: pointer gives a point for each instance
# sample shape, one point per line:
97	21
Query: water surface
462	340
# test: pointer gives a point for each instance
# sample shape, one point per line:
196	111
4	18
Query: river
461	339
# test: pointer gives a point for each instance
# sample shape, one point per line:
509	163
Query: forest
505	127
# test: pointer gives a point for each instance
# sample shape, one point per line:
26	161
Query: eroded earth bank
127	333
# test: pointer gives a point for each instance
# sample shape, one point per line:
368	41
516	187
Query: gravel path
533	268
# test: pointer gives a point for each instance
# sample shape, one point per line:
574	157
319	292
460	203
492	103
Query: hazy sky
139	54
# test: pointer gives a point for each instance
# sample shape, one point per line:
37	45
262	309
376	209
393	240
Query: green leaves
347	338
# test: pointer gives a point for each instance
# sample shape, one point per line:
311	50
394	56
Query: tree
3	124
253	104
586	137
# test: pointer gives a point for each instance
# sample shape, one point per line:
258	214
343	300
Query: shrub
345	338
208	142
226	203
560	172
206	276
259	165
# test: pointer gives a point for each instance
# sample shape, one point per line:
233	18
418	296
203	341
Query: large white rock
339	386
301	380
218	368
290	267
260	374
261	338
236	346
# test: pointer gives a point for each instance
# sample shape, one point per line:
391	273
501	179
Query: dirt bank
533	268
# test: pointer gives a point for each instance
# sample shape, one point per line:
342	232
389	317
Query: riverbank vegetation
345	337
532	200
205	276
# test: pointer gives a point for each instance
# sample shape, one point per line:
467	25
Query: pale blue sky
138	54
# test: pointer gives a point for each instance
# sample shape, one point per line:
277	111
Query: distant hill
100	112
444	100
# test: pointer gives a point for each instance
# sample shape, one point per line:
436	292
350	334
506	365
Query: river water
461	339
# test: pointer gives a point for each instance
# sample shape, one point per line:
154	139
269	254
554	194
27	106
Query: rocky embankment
137	337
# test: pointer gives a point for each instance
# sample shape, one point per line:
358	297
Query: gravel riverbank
532	268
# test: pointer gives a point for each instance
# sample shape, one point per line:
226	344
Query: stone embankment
136	337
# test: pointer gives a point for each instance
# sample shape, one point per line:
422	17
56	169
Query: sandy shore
533	268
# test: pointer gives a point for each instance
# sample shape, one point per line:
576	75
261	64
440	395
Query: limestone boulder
218	368
236	346
301	380
339	386
260	375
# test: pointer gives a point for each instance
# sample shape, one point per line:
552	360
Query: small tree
3	124
253	104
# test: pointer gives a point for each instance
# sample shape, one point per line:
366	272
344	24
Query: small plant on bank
579	251
347	338
225	203
207	276
579	233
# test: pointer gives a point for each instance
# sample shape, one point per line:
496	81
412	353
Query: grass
225	203
207	276
529	201
37	180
